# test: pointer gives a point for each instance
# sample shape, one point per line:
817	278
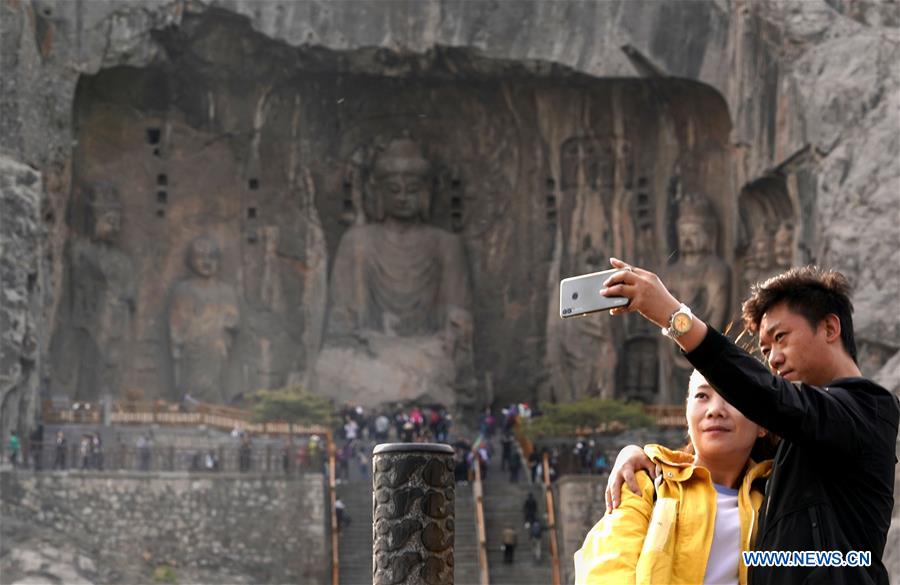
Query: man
832	484
14	448
510	538
62	447
529	509
536	531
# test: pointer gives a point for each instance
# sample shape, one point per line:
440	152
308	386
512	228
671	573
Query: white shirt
725	552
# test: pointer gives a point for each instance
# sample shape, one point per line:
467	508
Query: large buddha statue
699	278
203	321
400	322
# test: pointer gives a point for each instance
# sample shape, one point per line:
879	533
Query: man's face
792	348
402	194
204	259
107	224
718	430
692	238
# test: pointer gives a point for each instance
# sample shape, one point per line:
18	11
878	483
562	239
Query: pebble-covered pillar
413	517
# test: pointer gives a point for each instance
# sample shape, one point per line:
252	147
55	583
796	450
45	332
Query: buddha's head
783	247
204	256
401	182
761	249
696	225
104	212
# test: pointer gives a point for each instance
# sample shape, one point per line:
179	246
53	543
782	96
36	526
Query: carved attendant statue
103	299
400	321
203	320
700	278
783	250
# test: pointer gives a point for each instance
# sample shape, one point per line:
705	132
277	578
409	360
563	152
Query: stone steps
503	502
355	542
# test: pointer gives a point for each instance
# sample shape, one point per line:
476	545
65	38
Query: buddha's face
107	223
693	238
402	194
204	258
762	255
784	247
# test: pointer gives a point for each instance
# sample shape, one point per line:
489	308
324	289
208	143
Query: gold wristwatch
680	322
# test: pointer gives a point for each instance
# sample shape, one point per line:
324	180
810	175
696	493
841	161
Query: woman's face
718	431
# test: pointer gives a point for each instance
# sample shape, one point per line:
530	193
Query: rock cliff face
559	133
24	272
809	88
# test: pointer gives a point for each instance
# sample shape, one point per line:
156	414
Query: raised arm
797	412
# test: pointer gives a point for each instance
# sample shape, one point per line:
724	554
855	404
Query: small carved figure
769	255
758	260
102	299
203	321
784	246
400	295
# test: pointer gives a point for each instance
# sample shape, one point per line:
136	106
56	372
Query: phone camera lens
574	296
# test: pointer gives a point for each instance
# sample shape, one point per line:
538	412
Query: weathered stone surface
116	528
413	522
580	504
23	272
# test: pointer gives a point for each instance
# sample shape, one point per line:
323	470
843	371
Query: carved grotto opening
238	171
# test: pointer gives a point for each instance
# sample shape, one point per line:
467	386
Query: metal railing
294	458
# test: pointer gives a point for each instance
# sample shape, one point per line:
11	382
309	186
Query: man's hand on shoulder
630	460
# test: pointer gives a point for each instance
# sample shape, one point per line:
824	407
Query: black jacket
832	486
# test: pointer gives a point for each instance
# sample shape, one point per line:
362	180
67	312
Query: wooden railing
551	520
166	413
667	415
332	497
478	494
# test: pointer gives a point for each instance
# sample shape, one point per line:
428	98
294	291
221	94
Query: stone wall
580	504
264	528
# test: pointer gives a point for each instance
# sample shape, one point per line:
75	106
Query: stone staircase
502	507
503	503
355	541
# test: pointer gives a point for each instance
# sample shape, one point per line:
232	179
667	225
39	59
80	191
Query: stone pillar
413	520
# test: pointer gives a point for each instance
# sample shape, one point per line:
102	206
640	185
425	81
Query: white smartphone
580	295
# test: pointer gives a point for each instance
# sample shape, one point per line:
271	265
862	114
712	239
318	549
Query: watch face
682	323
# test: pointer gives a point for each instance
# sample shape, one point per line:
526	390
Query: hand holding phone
580	295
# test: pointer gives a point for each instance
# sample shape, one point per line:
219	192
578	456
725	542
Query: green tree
292	404
591	415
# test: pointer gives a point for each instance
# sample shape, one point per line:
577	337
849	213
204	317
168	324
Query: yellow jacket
666	541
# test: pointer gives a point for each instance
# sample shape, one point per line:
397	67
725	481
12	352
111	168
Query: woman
691	525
